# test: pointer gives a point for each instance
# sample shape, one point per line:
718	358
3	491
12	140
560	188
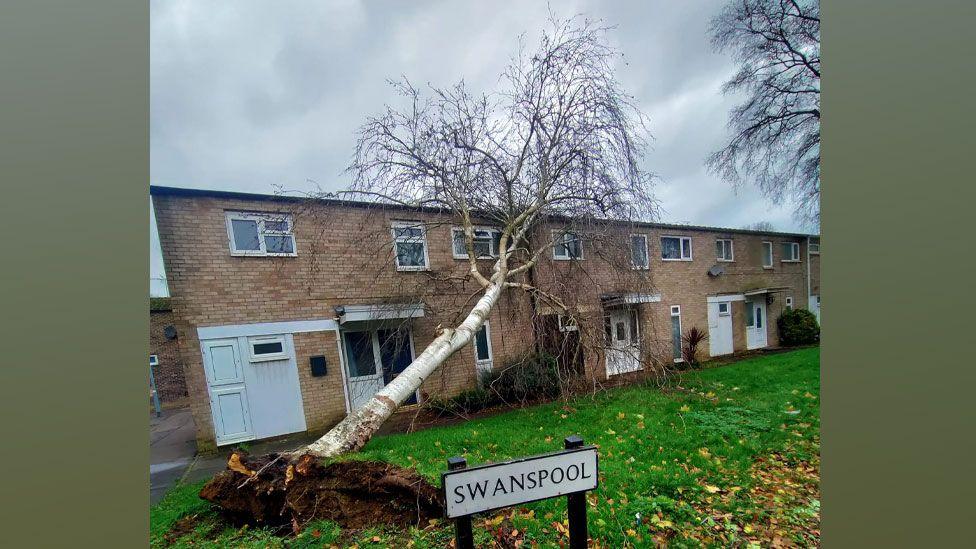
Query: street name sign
487	487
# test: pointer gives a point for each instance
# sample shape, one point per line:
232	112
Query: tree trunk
353	432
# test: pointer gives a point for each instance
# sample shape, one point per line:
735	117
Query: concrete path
172	447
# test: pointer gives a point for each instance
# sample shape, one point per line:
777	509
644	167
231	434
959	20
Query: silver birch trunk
353	432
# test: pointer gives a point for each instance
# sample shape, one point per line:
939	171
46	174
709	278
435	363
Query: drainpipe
808	273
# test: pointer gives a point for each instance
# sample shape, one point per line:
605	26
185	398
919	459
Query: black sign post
576	506
570	472
464	538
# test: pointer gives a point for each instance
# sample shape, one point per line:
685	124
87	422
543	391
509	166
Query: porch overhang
760	291
383	311
622	299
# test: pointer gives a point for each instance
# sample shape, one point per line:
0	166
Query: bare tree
776	130
559	144
764	226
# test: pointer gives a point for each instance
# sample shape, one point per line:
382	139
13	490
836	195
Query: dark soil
270	491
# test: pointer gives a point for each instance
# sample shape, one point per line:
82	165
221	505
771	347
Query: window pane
359	348
407	232
723	308
634	329
676	336
410	254
459	248
245	234
482	248
496	239
560	249
685	248
276	225
481	344
278	244
638	251
620	332
272	347
759	313
749	314
767	254
787	250
670	248
575	248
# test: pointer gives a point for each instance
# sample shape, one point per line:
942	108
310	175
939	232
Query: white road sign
498	485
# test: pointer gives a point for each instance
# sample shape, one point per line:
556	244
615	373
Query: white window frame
564	326
772	259
647	254
676	312
789	303
681	248
154	360
488	363
728	308
264	357
492	245
795	249
560	237
812	250
411	240
260	218
731	257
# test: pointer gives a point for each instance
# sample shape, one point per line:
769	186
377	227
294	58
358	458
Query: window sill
688	259
641	268
465	258
789	261
260	254
412	269
768	267
567	258
725	260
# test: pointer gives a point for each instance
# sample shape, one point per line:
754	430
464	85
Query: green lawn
731	456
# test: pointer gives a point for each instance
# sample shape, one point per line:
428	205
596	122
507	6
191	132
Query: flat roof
157	190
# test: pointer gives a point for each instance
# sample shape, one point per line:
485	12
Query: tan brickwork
168	373
344	257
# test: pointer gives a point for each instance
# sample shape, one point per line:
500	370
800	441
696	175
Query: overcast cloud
246	95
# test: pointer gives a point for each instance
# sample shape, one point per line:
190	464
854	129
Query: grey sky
246	95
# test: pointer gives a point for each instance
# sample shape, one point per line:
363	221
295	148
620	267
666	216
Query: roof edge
158	190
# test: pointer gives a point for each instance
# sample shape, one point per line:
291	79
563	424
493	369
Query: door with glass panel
756	324
364	376
623	349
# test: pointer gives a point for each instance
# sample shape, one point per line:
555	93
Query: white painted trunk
353	432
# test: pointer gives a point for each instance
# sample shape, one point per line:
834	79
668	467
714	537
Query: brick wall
168	373
344	257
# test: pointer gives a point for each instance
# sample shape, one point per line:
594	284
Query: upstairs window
814	248
676	248
566	245
723	249
410	245
638	251
791	251
767	255
260	234
486	243
153	360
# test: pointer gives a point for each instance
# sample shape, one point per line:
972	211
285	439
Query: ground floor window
789	303
676	332
482	348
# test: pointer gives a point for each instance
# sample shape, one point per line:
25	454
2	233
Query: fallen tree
560	145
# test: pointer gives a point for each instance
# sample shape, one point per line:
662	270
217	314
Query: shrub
534	377
798	327
691	340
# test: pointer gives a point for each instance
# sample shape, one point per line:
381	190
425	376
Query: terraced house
292	312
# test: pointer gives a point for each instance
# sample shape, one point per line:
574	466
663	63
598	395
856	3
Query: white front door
720	328
228	393
273	390
623	352
756	323
363	370
815	306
